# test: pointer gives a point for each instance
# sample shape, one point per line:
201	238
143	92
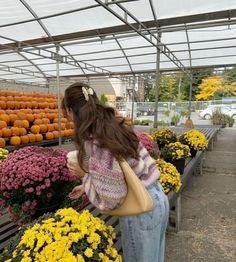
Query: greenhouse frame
40	40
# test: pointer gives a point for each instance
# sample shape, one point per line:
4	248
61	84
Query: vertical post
133	89
58	97
157	84
190	94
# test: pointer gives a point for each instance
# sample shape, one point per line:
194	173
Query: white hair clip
90	91
87	92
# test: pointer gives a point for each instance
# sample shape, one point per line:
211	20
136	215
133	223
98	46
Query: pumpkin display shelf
31	119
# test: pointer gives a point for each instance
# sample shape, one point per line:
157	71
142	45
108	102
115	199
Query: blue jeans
143	236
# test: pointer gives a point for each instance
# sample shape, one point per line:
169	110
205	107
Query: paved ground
208	230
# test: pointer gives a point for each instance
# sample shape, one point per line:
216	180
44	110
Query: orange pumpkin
43	128
63	126
10	104
55	125
24	139
2	112
63	120
56	134
70	132
2	143
13	118
21	116
45	121
15	140
2	124
6	132
18	123
38	122
3	104
9	111
15	131
22	131
49	136
38	137
5	117
25	123
32	138
0	133
66	132
30	117
50	127
35	129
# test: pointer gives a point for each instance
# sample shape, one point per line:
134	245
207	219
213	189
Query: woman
102	141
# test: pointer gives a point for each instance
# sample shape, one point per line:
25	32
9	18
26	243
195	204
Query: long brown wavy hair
94	121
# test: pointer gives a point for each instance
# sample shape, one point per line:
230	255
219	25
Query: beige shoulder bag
137	200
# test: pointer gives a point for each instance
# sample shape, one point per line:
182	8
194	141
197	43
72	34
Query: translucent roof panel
81	21
48	7
22	32
173	8
13	11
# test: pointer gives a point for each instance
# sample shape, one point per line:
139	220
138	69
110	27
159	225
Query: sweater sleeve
104	183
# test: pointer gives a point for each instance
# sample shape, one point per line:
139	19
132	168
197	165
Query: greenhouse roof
95	37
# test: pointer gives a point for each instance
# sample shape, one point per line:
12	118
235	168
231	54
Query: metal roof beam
163	48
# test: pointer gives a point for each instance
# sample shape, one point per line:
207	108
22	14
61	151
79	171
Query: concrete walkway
208	230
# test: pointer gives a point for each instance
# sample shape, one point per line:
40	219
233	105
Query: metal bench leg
198	169
175	216
178	213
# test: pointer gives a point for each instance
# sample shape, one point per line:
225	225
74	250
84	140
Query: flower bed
64	236
170	177
34	180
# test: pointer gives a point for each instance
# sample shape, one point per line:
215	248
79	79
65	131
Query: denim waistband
156	185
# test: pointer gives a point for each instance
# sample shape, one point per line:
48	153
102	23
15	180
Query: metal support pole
133	90
190	95
58	97
157	84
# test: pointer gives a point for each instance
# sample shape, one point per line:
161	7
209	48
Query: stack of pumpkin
30	119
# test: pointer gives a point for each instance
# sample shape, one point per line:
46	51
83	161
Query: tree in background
209	87
198	75
167	88
174	86
230	75
103	99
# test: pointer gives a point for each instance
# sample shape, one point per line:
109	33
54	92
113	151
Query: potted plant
64	236
164	136
195	139
148	142
230	121
176	153
218	118
169	176
35	180
175	119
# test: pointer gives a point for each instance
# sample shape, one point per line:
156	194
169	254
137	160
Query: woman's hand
75	169
77	192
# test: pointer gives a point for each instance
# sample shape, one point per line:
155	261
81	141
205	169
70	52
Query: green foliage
230	75
169	89
175	119
103	99
218	118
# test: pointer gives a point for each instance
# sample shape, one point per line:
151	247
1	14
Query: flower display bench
193	166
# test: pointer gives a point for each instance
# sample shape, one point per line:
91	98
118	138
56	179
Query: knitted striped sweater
104	183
